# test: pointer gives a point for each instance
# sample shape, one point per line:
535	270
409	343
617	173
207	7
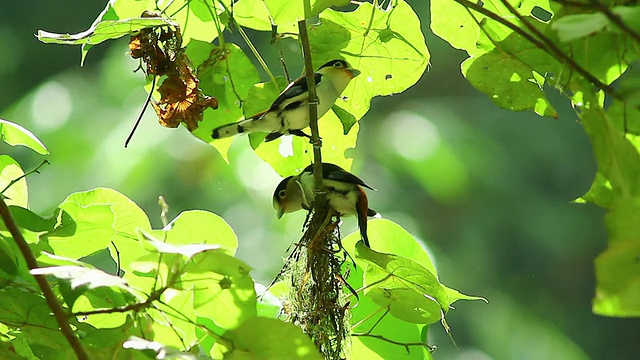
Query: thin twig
24	175
144	107
52	302
403	344
253	49
544	43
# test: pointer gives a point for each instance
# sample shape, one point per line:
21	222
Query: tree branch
313	107
52	302
544	43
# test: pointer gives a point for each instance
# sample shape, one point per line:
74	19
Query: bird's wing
295	88
334	172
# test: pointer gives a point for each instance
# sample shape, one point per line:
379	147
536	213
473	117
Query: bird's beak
353	72
280	211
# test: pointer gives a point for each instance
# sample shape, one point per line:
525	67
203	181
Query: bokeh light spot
51	106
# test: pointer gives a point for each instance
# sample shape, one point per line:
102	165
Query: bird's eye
338	64
282	193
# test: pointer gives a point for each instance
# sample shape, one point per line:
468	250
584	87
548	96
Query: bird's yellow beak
279	211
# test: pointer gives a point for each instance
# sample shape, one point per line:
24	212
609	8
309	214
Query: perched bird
344	192
289	113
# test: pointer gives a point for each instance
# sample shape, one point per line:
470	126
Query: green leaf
174	319
575	26
14	134
200	227
253	14
389	327
453	23
84	277
222	287
345	117
600	192
10	170
8	259
30	310
76	281
228	75
386	45
89	221
618	278
387	236
514	82
618	159
187	250
454	295
81	230
404	286
262	338
285	12
104	30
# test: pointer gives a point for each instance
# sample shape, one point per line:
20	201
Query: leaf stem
24	175
52	302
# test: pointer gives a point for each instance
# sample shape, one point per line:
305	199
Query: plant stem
313	110
52	302
24	176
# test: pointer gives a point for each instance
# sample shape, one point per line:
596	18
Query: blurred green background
488	191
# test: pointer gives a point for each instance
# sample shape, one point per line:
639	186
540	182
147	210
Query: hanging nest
315	303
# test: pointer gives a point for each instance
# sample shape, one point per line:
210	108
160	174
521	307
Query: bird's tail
244	125
228	130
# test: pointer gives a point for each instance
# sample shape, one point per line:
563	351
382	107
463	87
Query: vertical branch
313	105
315	297
52	302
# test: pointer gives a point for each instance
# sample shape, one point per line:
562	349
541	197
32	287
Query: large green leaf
512	75
89	221
386	45
14	134
390	327
223	289
200	227
403	285
262	338
227	74
28	310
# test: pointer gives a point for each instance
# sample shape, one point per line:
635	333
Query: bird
289	113
344	193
